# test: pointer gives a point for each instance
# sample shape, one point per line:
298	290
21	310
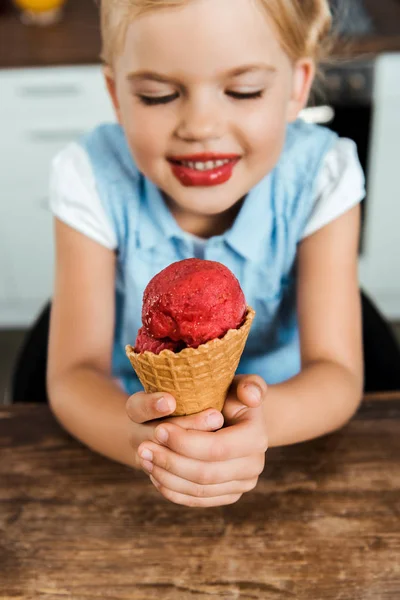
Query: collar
252	226
247	236
155	222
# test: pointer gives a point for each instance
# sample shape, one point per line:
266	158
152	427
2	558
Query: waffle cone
198	378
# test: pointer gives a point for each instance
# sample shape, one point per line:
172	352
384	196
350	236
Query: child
209	159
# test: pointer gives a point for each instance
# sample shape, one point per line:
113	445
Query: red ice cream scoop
189	303
145	341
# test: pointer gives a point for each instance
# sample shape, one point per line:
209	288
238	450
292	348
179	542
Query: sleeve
340	186
74	198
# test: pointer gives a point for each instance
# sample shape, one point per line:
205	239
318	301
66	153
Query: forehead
200	37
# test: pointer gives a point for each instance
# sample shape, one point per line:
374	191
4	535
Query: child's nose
199	121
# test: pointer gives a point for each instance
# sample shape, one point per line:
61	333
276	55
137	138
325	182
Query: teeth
205	166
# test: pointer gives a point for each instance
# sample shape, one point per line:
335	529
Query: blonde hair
303	26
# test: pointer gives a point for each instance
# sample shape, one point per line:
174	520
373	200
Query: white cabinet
41	110
5	276
380	264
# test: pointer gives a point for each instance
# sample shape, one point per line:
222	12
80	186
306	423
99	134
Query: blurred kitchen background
51	90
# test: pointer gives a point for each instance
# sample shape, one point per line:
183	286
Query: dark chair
28	378
381	357
381	350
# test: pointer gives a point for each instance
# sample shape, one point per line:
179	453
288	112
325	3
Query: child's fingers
169	484
225	444
198	472
142	407
193	502
207	420
250	390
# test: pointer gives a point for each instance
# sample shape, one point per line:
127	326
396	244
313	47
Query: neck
204	226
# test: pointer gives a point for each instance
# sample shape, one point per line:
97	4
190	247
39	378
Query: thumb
251	390
207	420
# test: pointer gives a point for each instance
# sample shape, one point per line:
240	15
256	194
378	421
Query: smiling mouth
208	165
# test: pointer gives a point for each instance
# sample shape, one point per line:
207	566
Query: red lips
190	177
204	157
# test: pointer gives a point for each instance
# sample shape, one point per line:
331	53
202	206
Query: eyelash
149	101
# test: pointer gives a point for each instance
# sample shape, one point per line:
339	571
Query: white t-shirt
75	201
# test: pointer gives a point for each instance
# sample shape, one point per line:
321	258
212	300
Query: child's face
203	83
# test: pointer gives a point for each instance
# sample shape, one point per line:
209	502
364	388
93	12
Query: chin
204	205
204	201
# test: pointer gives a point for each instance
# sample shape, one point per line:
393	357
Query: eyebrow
236	72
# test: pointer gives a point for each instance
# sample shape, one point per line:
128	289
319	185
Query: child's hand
199	468
143	409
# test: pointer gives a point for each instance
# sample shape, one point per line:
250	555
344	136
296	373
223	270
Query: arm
328	390
83	395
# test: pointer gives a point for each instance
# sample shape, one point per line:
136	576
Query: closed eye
153	100
243	96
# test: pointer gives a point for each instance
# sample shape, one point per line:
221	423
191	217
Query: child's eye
152	100
248	96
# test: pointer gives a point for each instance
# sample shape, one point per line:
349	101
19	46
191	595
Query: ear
112	89
303	77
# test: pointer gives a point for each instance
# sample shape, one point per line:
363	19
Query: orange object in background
40	12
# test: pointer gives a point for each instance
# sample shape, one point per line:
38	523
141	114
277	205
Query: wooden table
322	524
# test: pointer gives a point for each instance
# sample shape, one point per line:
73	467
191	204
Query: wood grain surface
76	39
73	41
322	524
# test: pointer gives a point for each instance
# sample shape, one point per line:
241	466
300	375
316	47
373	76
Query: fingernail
214	419
163	405
146	454
161	434
253	391
154	482
148	466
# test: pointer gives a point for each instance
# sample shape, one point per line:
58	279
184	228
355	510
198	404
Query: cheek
146	133
266	133
267	125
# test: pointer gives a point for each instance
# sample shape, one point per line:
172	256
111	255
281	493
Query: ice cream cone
198	378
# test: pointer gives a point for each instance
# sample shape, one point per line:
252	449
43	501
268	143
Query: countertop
323	521
76	40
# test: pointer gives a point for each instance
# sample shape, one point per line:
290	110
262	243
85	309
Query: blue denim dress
260	248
